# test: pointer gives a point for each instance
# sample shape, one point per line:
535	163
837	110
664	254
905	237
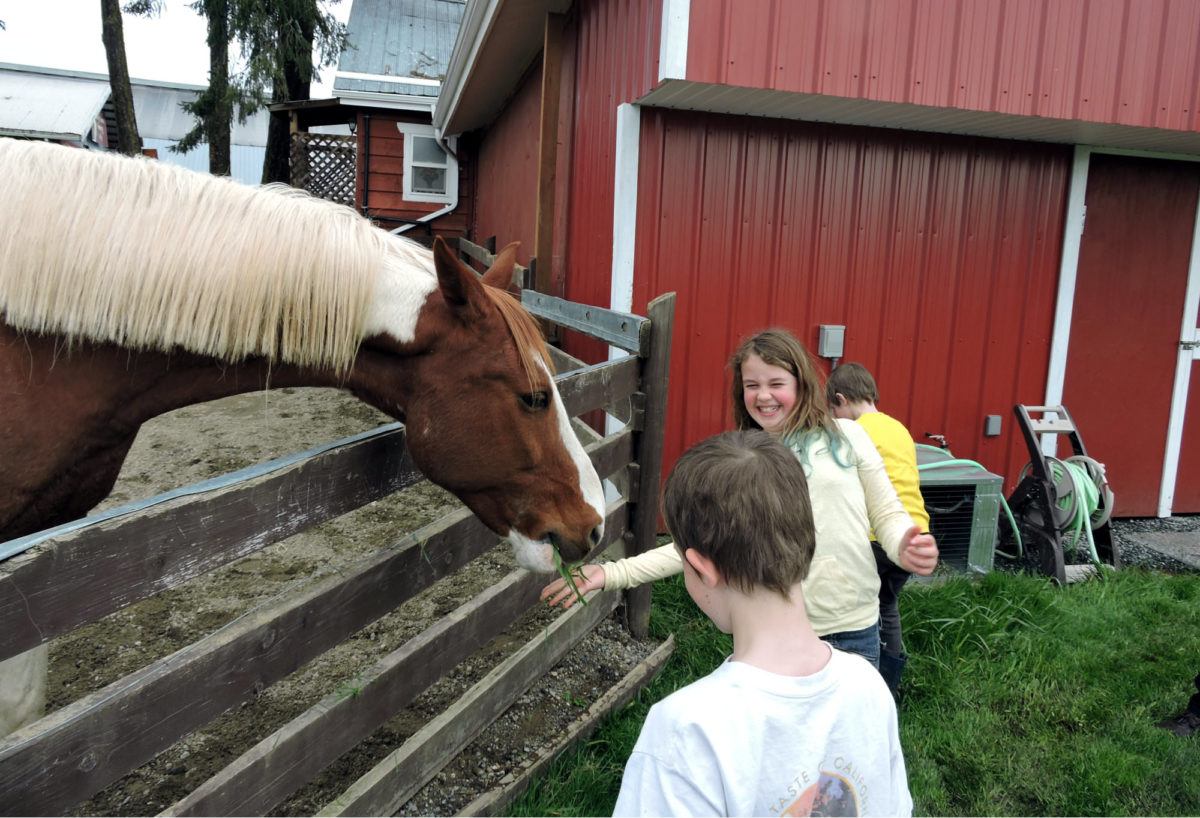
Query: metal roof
51	103
394	40
49	107
160	117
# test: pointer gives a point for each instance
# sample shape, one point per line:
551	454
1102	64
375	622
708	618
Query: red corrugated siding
1131	62
610	56
940	255
507	166
614	46
1130	290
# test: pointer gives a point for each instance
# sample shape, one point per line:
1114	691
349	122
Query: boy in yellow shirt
852	394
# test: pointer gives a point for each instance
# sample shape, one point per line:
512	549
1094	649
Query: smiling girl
775	387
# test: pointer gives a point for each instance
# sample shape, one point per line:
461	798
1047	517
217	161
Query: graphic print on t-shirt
831	794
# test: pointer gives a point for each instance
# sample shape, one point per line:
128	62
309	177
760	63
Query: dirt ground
198	442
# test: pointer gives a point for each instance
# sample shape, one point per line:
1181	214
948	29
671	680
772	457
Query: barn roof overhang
696	96
499	39
497	42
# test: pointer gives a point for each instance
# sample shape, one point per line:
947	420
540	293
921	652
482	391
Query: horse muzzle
575	549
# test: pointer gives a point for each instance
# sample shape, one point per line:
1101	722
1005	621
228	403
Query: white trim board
625	191
673	40
625	197
1060	337
385	78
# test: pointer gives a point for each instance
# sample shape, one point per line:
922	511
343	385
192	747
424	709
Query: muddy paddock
203	441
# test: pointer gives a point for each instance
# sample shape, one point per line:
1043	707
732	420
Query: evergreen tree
214	107
278	39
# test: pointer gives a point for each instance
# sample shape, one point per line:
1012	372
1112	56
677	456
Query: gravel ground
1134	553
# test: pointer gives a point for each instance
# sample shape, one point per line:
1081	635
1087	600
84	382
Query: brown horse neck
72	412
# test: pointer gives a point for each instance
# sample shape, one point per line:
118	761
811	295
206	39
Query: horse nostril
595	536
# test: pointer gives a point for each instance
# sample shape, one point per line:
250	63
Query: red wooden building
385	159
916	170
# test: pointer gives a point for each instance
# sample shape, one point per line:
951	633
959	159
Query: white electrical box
831	340
991	426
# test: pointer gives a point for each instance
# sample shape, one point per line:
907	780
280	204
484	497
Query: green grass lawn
1021	698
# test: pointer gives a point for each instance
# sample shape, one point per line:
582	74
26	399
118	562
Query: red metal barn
918	171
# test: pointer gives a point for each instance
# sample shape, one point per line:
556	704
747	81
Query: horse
129	288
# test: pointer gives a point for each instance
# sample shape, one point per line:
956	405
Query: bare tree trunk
276	167
113	34
220	123
296	85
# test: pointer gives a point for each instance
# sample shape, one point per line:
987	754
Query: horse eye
535	401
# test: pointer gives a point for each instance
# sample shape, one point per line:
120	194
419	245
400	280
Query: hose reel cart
1061	504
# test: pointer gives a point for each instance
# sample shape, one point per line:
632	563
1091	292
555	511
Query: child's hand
588	577
918	552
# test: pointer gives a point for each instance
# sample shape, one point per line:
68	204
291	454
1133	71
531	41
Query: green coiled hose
1087	506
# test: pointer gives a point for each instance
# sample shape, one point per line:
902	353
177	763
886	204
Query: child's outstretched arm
629	572
588	578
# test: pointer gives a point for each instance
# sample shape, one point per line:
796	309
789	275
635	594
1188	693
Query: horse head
297	291
484	419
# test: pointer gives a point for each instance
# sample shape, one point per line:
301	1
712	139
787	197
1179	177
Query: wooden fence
77	575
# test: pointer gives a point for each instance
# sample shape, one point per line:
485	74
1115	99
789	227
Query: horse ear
454	278
500	274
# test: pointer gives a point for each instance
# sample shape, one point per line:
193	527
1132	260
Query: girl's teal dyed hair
810	419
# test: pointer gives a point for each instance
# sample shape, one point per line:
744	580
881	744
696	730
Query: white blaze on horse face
589	481
532	555
536	555
401	290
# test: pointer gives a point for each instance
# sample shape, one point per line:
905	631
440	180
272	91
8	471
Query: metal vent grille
964	510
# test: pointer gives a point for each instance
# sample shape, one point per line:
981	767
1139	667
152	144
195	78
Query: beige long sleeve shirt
841	592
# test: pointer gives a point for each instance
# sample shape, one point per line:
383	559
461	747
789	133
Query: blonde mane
151	256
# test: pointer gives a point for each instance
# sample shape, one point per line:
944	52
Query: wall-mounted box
831	340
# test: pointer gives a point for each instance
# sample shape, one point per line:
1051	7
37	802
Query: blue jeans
864	642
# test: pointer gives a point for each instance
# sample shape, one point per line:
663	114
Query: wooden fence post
648	448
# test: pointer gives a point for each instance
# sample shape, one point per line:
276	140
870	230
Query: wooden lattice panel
324	165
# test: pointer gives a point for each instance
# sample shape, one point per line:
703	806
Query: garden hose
1083	500
1003	503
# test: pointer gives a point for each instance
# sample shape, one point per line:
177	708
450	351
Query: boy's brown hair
741	499
854	382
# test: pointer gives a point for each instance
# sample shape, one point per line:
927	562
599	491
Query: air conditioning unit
963	502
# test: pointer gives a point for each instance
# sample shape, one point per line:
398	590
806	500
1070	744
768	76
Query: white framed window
430	174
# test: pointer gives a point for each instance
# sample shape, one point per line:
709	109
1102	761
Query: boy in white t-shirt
787	725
